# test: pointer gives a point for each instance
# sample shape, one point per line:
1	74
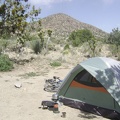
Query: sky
103	14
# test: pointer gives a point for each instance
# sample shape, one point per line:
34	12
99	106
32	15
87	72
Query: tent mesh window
86	78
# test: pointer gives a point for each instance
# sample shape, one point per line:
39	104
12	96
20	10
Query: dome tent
94	86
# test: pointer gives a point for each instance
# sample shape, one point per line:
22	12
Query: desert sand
24	103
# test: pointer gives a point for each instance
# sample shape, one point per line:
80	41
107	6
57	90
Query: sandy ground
23	103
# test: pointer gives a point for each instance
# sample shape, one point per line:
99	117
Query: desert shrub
114	40
51	47
36	46
31	36
92	48
5	63
115	51
5	44
8	44
78	37
66	47
55	64
66	52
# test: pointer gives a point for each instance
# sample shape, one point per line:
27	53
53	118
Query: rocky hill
62	25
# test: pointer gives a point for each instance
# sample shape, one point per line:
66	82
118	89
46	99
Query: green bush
66	47
5	63
77	38
55	64
36	46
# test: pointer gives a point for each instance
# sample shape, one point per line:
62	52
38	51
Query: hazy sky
104	14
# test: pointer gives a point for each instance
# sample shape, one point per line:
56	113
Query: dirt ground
23	103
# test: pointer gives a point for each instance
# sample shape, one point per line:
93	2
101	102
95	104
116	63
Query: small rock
18	85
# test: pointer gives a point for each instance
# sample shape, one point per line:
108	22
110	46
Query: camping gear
55	110
50	105
52	85
63	114
47	104
55	97
93	86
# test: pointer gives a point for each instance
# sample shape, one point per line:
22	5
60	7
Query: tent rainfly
94	86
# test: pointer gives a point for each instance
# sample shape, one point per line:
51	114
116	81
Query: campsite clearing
23	103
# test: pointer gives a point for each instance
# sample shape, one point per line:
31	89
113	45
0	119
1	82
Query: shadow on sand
87	115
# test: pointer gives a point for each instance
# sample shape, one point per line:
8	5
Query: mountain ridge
62	25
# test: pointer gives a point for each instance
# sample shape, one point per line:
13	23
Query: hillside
62	25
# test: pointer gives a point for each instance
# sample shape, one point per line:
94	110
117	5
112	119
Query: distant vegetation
85	36
79	37
44	34
114	41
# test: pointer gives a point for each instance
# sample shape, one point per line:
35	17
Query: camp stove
55	97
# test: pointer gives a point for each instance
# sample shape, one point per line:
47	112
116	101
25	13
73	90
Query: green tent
94	86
